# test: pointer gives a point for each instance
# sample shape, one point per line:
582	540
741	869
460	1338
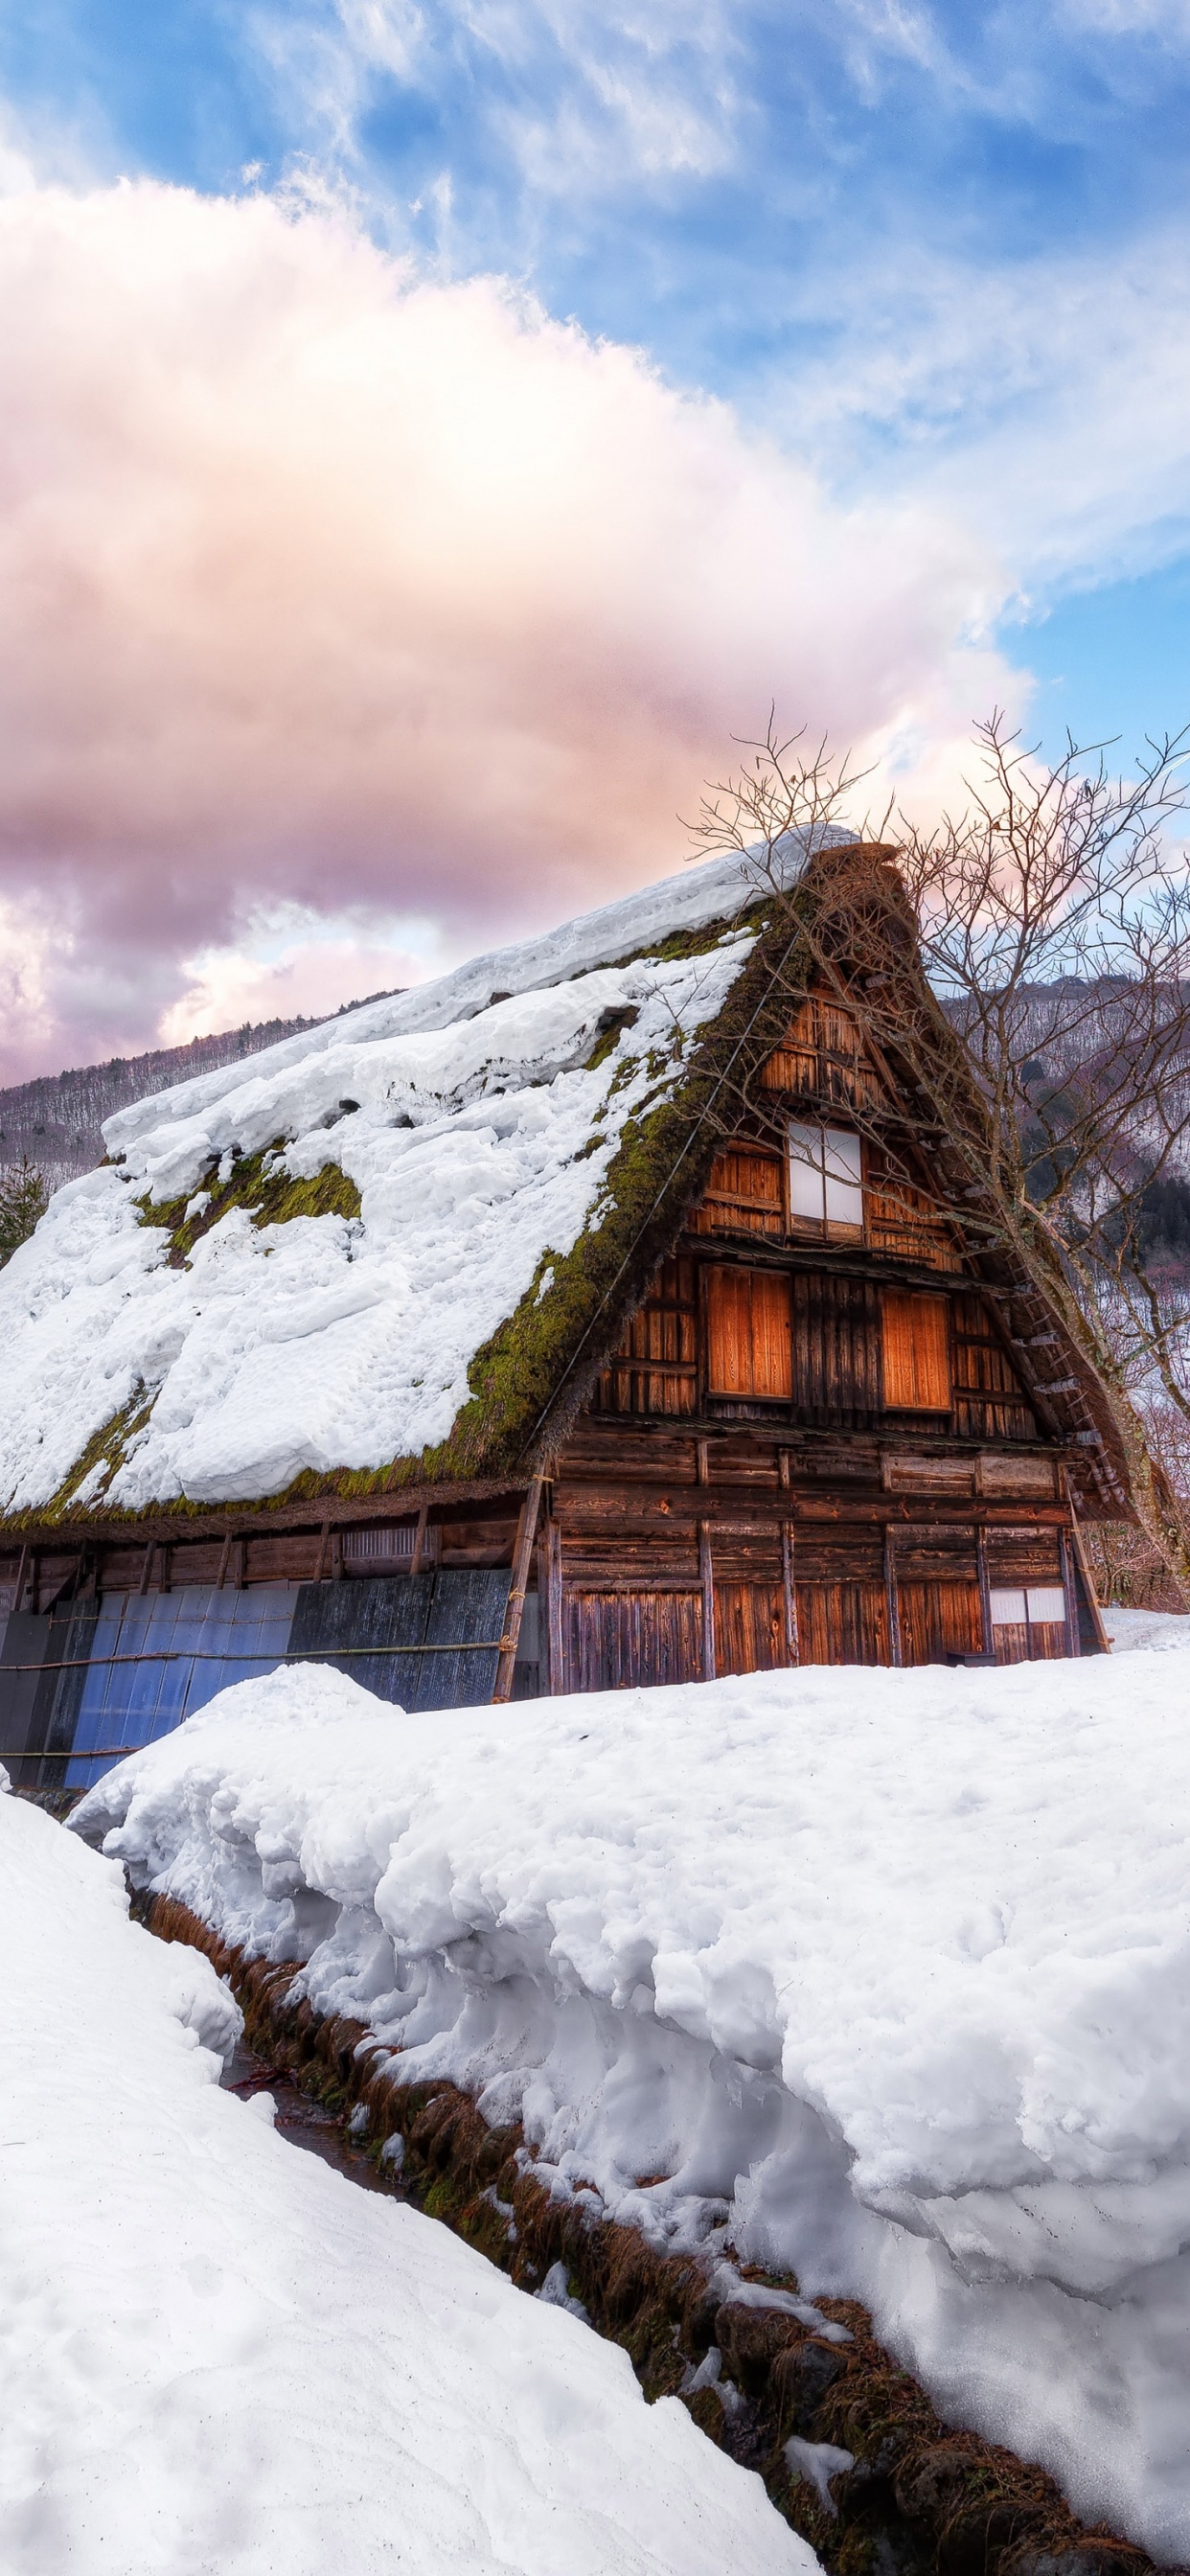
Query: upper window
825	1175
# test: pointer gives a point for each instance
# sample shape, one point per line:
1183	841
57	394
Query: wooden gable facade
813	1442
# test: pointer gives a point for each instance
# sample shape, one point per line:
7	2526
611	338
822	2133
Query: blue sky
851	219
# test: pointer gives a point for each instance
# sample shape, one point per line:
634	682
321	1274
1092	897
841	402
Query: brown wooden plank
749	1628
940	1619
842	1623
745	1194
917	1373
707	1580
626	1640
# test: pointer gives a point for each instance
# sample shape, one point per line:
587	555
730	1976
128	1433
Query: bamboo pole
521	1555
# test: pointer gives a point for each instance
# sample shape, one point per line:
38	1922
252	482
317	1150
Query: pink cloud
320	584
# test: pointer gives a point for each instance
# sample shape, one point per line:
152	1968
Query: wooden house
600	1316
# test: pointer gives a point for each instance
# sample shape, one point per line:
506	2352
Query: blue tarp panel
124	1705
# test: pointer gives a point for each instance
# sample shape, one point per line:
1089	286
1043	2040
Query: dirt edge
922	2499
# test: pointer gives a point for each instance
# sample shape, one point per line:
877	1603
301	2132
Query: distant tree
24	1198
1053	918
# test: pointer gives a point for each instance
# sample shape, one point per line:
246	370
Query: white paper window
825	1175
1042	1605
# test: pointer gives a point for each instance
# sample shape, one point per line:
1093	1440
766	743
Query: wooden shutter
749	1340
916	1352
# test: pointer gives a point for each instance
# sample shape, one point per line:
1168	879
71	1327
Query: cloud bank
325	586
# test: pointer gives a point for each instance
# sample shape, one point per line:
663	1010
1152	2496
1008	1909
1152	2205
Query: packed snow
890	1976
480	1141
1146	1631
224	2359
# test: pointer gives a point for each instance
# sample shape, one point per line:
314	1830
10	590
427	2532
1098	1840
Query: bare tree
1053	921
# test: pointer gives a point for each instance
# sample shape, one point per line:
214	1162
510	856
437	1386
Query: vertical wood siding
745	1195
989	1400
836	1350
655	1367
626	1640
823	1057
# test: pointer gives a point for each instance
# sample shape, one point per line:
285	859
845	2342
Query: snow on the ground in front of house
323	1342
889	1972
224	2359
1141	1631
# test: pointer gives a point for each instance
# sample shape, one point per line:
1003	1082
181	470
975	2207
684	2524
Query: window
1042	1605
749	1341
825	1176
916	1352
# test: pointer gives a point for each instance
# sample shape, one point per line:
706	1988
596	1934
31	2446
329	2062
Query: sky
432	436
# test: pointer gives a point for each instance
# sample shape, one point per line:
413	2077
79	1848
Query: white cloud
318	584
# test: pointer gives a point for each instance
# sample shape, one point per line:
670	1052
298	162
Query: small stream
304	2122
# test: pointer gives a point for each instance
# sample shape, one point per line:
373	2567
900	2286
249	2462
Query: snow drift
222	2359
888	1975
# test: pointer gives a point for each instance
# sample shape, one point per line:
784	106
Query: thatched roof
386	1254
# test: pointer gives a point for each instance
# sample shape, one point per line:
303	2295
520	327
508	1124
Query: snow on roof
478	1135
222	2355
885	1972
718	890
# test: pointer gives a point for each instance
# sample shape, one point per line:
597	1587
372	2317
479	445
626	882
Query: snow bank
477	1148
888	1972
222	2359
1146	1631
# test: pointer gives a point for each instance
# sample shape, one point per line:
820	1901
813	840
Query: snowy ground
889	1973
1146	1631
222	2359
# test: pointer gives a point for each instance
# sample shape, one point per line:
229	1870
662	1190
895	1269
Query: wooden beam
419	1540
890	1595
706	1575
554	1606
788	1570
1073	1640
146	1572
985	1590
324	1541
224	1562
1102	1640
22	1578
521	1556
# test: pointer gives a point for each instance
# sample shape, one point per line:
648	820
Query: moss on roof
259	1182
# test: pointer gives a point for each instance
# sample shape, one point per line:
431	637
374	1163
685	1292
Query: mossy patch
258	1182
107	1449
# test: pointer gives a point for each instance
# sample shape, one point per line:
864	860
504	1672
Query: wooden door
939	1619
626	1640
750	1628
842	1623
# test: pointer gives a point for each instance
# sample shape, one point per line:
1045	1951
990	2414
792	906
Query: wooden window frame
824	1229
